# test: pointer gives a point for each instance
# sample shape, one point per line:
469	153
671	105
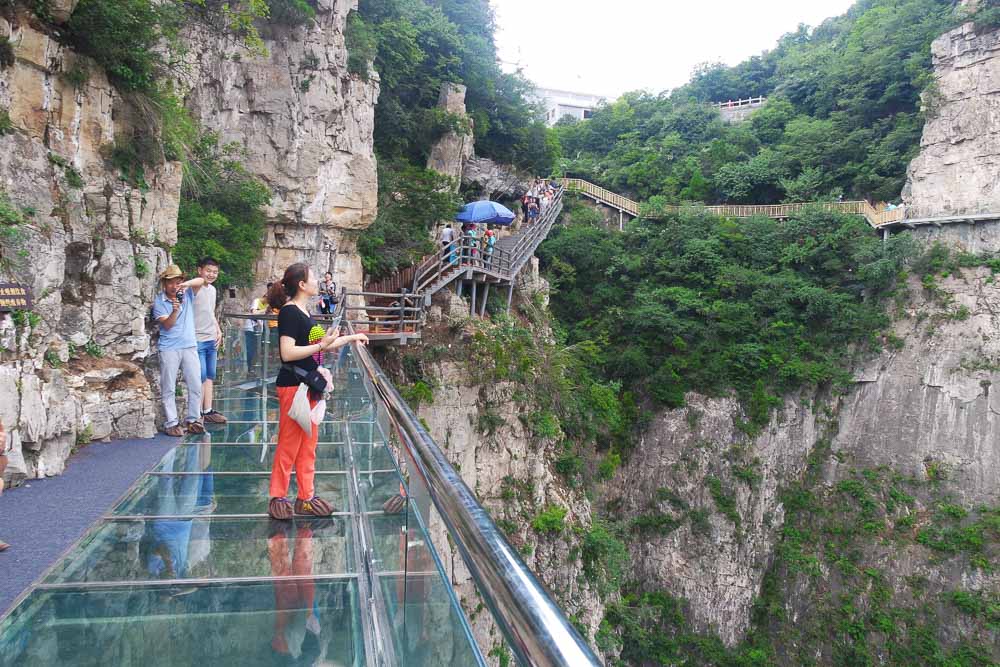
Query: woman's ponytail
276	296
288	286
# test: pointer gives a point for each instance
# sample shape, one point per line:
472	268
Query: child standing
208	333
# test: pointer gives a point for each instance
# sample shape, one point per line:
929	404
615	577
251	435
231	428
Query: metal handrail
534	626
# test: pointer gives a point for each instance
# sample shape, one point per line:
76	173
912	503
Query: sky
610	47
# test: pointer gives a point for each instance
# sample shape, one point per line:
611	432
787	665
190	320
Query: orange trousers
296	448
291	595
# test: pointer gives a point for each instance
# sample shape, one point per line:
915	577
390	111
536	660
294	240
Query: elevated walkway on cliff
626	206
392	309
187	568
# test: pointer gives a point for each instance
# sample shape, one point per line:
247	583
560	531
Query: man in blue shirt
178	349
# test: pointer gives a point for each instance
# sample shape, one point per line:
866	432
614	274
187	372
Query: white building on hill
559	103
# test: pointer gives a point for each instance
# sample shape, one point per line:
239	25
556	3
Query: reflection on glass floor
188	568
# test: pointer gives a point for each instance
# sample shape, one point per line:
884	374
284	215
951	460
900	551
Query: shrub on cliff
703	303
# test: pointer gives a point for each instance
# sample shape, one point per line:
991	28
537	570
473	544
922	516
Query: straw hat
172	271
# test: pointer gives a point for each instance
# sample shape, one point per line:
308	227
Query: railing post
402	315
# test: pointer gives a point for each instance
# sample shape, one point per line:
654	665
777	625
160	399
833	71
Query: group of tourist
190	337
537	199
473	244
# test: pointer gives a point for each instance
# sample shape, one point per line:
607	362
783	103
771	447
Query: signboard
14	296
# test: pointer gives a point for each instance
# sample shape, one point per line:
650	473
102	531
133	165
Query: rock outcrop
450	153
686	460
483	430
306	124
494	180
958	168
91	244
88	244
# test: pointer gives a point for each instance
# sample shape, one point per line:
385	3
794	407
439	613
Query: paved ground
43	518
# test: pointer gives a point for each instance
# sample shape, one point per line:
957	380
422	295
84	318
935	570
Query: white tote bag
300	411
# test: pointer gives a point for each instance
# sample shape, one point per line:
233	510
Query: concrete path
43	518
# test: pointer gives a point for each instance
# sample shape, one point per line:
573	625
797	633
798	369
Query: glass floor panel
426	629
376	488
178	574
246	458
243	625
208	494
162	549
249	432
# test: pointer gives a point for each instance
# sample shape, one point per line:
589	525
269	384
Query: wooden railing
463	254
735	104
602	195
874	216
394	308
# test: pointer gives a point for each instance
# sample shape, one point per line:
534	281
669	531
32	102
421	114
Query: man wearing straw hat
178	349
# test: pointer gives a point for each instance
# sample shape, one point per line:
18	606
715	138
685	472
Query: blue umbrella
489	212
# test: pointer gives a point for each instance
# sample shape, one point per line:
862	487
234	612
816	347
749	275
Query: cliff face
481	426
306	124
878	474
957	169
89	244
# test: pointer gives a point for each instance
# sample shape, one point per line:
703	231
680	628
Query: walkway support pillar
486	295
621	220
458	290
510	295
472	307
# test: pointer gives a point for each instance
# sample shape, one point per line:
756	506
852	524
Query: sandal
195	427
175	431
4	546
280	509
315	506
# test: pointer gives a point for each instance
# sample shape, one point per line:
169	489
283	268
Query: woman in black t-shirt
296	448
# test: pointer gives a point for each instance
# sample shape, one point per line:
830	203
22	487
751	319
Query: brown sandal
280	509
315	506
175	431
195	427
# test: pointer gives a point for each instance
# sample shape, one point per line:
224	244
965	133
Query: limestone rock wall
93	244
710	559
494	180
509	470
306	124
928	405
450	153
89	243
958	168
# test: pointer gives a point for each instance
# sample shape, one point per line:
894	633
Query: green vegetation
708	304
725	502
842	117
6	124
411	201
292	12
416	46
12	234
221	213
604	557
552	519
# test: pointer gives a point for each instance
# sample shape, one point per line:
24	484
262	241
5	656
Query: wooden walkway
393	309
874	216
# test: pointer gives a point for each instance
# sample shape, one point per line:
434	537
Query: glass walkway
188	568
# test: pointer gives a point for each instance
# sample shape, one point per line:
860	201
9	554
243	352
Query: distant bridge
626	206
